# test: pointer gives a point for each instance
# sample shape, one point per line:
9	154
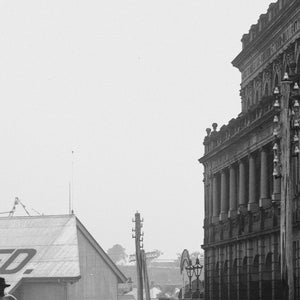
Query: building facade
243	192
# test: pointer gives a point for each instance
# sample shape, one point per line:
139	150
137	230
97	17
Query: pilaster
264	199
242	187
210	207
224	197
232	192
215	217
252	205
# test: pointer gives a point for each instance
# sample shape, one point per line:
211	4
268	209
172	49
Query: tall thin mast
139	271
289	146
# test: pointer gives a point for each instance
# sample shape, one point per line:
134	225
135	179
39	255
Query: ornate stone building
242	197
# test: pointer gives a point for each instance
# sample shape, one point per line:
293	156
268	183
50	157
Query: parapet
265	20
215	139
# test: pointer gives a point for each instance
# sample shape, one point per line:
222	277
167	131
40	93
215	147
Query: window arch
256	97
267	278
266	89
248	102
216	279
276	82
277	278
254	278
224	281
233	281
243	280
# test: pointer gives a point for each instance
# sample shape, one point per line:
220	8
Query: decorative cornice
278	13
236	128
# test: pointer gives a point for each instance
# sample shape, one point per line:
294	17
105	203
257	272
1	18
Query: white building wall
41	291
98	282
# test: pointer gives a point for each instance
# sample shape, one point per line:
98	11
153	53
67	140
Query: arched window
243	280
256	97
224	281
267	278
266	90
233	281
254	278
277	278
287	69
249	102
216	281
276	82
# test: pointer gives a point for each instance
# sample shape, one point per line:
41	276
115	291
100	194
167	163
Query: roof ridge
37	217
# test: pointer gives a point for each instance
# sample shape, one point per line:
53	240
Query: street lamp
197	270
189	270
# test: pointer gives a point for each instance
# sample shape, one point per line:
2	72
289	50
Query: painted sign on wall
15	259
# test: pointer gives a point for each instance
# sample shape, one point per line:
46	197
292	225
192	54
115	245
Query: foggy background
130	87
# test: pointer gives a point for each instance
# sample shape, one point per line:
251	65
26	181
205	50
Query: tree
117	253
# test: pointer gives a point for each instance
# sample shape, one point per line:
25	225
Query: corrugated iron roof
44	247
38	247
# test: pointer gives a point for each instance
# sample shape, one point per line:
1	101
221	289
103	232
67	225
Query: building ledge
236	128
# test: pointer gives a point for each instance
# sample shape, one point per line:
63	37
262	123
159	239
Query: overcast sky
129	86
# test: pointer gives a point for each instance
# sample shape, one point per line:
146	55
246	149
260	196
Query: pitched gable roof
38	247
44	247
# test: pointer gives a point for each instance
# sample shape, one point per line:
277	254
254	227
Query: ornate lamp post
189	270
9	296
197	270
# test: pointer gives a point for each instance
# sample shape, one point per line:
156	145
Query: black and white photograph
149	150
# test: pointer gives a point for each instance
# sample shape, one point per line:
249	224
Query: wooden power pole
289	148
139	270
287	195
145	275
140	258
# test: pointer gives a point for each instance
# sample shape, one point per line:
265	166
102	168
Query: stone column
210	208
242	187
232	192
252	205
206	194
224	197
264	199
215	217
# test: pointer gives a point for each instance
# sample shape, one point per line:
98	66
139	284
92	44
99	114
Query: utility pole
145	275
286	226
138	239
141	261
288	104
